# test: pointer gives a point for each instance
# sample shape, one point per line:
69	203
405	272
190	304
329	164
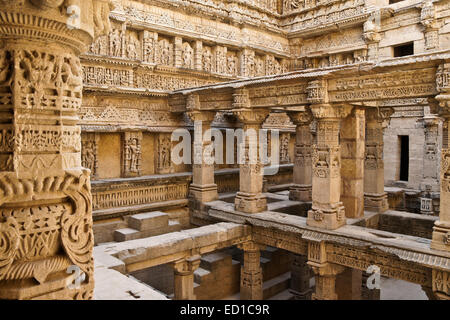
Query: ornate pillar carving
178	52
251	272
301	189
132	154
89	152
375	199
250	199
184	278
325	272
327	209
45	197
247	63
300	276
352	139
441	284
441	229
203	187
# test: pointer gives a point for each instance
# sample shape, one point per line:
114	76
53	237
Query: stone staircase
147	224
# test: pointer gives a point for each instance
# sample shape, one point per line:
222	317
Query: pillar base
251	285
299	192
204	193
441	237
376	202
332	218
250	203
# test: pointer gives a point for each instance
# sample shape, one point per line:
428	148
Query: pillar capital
204	116
300	117
380	115
186	266
251	116
251	246
330	112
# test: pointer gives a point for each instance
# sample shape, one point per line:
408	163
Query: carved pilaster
45	198
184	277
89	152
371	35
251	171
301	189
441	284
131	154
251	272
327	209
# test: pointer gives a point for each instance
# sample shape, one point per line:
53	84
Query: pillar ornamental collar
74	23
328	111
251	246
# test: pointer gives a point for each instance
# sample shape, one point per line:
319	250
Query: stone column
184	278
203	187
441	230
327	209
177	52
300	277
250	199
46	237
375	199
325	272
372	37
348	284
352	140
251	272
198	55
301	189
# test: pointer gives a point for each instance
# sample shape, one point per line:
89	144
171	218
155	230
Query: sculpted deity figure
207	60
115	43
133	151
187	56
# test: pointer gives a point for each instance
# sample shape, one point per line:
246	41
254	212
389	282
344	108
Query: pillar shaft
327	209
302	176
300	277
352	163
375	199
45	212
251	272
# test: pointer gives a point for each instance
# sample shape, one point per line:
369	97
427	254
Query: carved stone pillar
250	199
251	272
325	272
184	278
441	229
430	183
46	236
327	209
203	187
89	152
375	199
131	154
301	189
300	277
352	139
372	37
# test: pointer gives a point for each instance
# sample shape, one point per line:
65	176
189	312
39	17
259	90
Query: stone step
126	234
276	285
200	274
214	261
283	295
174	226
149	221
